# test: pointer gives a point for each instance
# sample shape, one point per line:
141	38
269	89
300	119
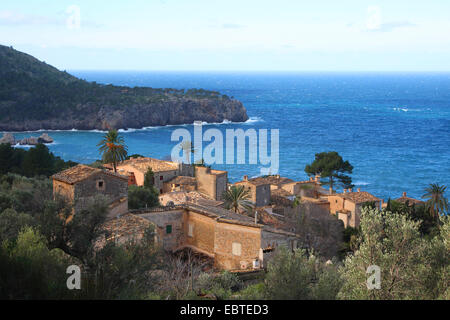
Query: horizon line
257	71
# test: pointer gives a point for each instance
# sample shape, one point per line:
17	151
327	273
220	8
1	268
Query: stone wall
243	240
162	220
112	188
212	183
221	185
199	231
271	240
260	194
63	189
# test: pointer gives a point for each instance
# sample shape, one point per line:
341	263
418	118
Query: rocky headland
36	96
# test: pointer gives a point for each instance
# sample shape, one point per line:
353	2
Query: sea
394	128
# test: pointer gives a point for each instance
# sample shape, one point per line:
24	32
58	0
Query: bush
141	197
222	286
297	276
253	292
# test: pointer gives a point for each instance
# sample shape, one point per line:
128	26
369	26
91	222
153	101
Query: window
161	177
191	230
100	185
169	229
236	248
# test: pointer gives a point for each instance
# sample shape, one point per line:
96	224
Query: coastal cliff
35	95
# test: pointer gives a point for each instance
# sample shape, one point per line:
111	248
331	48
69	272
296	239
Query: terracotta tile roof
142	164
180	197
124	228
273	180
411	201
280	193
183	180
357	197
81	172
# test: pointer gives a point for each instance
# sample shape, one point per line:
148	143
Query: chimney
317	178
345	190
311	179
359	189
350	190
245	178
404	194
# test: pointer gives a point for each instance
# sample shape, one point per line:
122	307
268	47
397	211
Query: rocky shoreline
174	112
9	138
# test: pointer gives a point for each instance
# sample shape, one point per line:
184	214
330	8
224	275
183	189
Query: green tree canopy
148	178
437	203
331	166
411	267
142	197
113	148
298	276
238	199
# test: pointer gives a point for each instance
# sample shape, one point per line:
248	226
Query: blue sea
394	128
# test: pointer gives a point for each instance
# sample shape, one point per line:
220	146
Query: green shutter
169	228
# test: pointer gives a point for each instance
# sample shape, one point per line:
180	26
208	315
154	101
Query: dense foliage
142	197
35	161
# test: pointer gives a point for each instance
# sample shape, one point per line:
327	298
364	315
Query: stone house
234	241
259	190
410	201
210	182
348	205
262	188
180	183
80	184
163	171
309	188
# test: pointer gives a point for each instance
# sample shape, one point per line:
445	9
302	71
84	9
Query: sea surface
394	128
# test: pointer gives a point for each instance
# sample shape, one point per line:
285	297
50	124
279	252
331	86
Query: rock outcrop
8	138
32	141
45	138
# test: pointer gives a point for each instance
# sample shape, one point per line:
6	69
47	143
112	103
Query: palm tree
188	148
237	198
437	203
113	148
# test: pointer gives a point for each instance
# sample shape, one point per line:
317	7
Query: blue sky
283	35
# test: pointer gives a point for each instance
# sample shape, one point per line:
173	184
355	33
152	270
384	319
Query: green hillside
31	90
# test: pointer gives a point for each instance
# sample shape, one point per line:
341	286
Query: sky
231	35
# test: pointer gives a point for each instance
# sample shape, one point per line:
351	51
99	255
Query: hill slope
35	95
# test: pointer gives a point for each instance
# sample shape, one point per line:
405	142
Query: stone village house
175	177
233	241
347	206
80	184
263	188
